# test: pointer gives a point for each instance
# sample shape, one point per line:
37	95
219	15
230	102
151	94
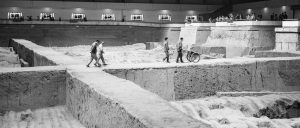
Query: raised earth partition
190	81
195	33
98	99
37	55
275	53
32	88
241	38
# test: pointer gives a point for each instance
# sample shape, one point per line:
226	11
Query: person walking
179	50
166	50
93	52
100	53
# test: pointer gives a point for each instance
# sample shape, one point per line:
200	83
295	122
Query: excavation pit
143	95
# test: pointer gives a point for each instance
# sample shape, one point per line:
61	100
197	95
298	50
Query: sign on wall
77	16
46	16
108	17
191	18
164	17
14	15
137	17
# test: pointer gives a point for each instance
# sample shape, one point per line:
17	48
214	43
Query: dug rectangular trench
191	81
32	88
88	90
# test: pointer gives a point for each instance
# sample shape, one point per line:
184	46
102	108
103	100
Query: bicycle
193	56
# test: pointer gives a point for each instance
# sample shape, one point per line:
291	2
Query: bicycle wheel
188	56
195	57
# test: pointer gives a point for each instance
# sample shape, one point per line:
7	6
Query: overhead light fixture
14	9
47	9
164	11
191	12
78	10
136	11
283	8
107	10
249	11
266	9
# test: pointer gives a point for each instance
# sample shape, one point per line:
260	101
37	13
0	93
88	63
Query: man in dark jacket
166	50
93	52
179	50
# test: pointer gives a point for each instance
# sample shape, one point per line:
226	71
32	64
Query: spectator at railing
231	17
282	16
276	17
259	17
272	16
29	18
285	15
251	17
238	17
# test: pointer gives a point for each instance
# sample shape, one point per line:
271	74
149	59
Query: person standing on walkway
166	50
93	52
100	53
179	50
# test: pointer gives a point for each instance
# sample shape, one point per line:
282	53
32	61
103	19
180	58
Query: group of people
237	17
228	18
97	53
281	16
249	17
178	49
252	16
222	19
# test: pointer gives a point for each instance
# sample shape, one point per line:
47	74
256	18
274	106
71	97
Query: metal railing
81	21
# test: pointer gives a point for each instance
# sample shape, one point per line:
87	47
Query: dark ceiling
202	2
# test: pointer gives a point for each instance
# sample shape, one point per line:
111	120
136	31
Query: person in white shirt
100	53
93	52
